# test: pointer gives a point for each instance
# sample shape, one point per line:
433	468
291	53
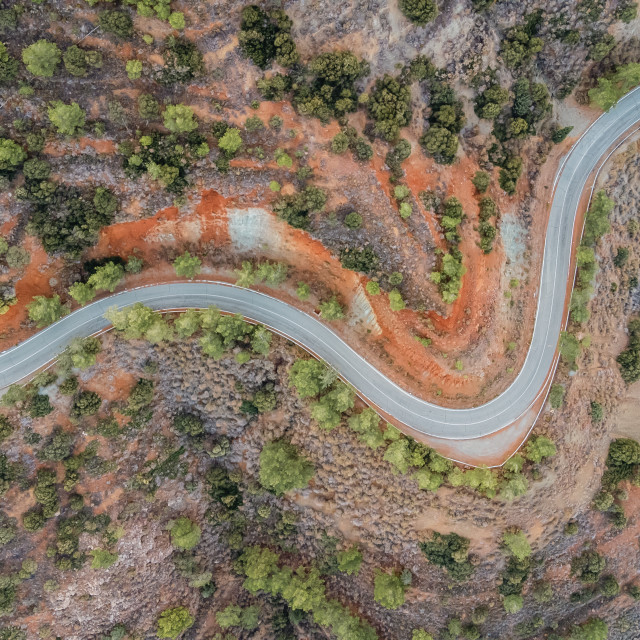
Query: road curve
441	422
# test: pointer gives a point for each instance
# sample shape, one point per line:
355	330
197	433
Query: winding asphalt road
23	359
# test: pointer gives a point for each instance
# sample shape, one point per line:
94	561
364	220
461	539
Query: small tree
185	534
513	603
8	64
609	586
117	22
42	58
74	61
134	69
189	424
148	107
556	396
395	300
230	142
303	291
282	469
481	181
538	448
107	277
234	616
588	566
44	311
17	258
179	118
86	404
349	561
12	155
331	309
68	119
187	266
103	559
388	590
420	12
176	20
173	622
593	629
373	288
517	544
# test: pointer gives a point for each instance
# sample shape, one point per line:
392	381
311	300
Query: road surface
317	337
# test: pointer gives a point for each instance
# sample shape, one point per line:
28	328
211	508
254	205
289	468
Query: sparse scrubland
383	164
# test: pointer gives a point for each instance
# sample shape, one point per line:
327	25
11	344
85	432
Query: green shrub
117	22
274	88
349	561
103	559
282	469
41	58
556	396
362	259
8	529
242	617
510	171
176	20
609	586
588	566
141	396
602	47
148	107
12	155
629	359
517	544
613	86
602	501
188	424
77	60
230	142
353	220
440	143
6	428
265	36
521	43
331	309
173	622
68	119
8	21
593	629
8	64
420	12
488	104
597	412
558	135
182	61
389	106
626	11
539	447
57	447
179	118
185	534
373	288
481	181
449	277
449	551
388	590
87	403
187	266
40	406
513	603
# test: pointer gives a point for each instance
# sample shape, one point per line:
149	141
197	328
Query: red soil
463	331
